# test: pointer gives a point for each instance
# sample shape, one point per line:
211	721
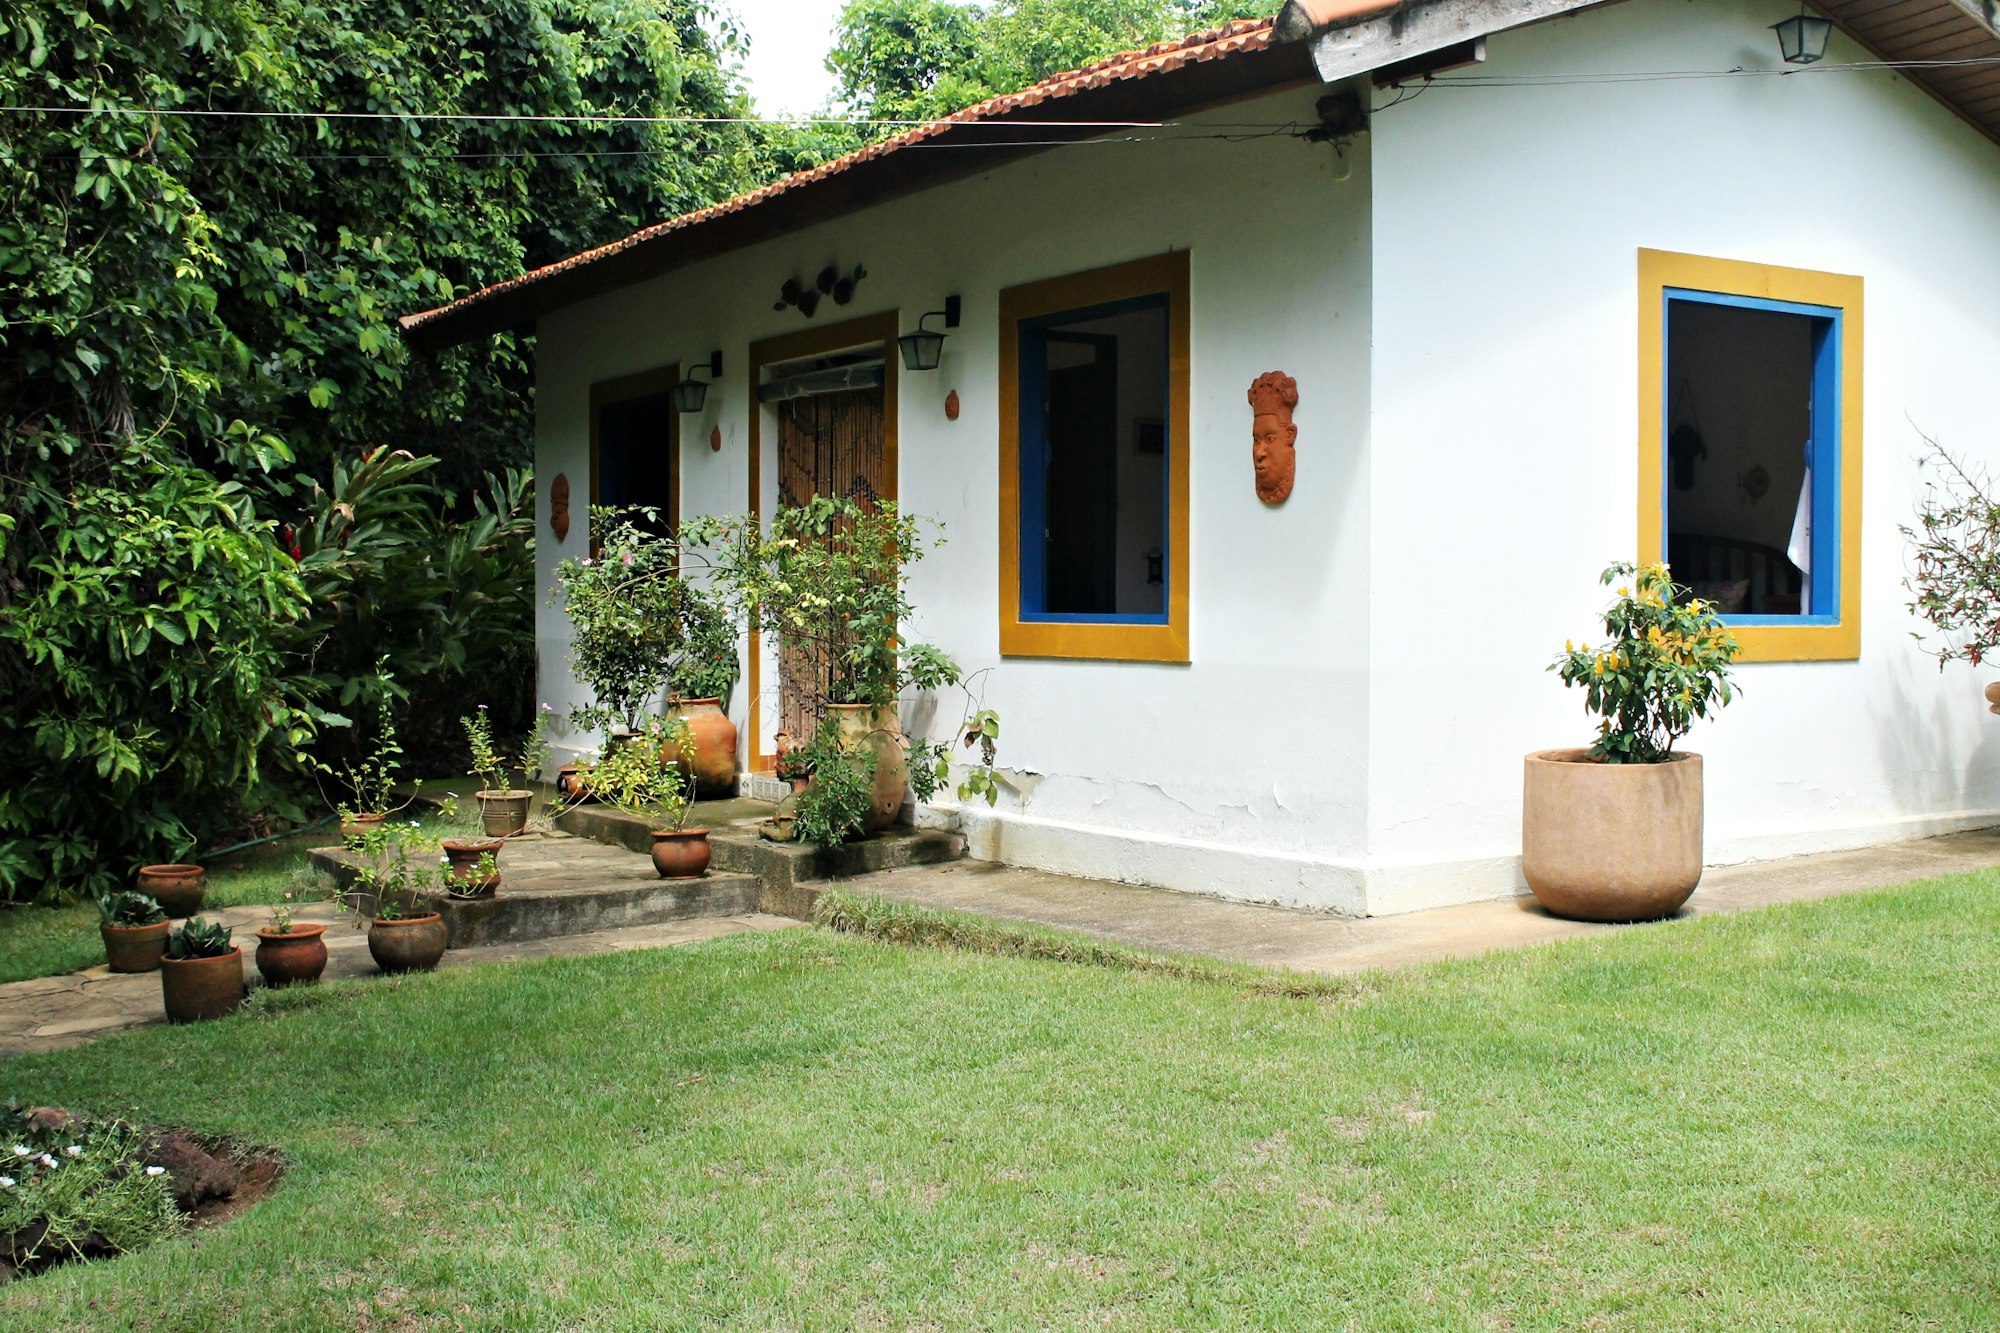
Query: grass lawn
1782	1119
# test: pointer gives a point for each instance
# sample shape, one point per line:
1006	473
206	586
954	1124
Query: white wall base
1350	888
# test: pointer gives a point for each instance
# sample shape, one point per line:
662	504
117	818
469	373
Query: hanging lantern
691	393
922	349
1802	39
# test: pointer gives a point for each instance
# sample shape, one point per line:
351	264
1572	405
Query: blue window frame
1095	460
1796	365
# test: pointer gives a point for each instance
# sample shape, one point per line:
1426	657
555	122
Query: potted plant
702	675
503	807
792	766
829	579
405	934
642	778
178	889
372	779
134	927
201	975
1954	569
1614	832
290	952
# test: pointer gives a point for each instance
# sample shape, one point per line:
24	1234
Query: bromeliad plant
128	910
199	937
1664	664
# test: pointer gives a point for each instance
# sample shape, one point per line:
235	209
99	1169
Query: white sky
786	70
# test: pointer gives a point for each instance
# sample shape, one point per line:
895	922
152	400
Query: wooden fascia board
1410	31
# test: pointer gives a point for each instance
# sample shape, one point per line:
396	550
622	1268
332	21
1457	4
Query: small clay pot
798	785
288	957
504	813
681	854
571	783
355	825
135	948
198	988
178	888
410	944
464	854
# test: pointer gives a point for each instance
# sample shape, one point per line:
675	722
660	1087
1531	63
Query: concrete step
787	871
553	885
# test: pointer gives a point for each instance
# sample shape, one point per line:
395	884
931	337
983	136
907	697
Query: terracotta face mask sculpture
1273	395
559	506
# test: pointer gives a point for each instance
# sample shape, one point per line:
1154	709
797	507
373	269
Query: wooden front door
828	444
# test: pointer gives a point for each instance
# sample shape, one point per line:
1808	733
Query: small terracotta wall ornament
715	440
559	506
1273	395
951	406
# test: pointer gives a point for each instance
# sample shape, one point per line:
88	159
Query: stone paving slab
1167	921
51	1013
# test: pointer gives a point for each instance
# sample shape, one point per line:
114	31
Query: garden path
49	1013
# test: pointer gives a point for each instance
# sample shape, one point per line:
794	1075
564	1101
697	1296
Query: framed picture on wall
1149	436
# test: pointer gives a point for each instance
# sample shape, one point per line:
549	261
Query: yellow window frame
1158	275
1662	270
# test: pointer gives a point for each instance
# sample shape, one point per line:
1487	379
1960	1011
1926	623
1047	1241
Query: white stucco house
1557	283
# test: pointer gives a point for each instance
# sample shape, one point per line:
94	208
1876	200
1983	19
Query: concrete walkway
50	1013
1170	922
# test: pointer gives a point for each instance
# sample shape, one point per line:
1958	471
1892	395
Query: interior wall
1242	772
1509	216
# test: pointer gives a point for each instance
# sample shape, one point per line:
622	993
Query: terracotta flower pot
355	825
713	764
1611	842
198	988
572	784
504	813
135	948
178	888
410	944
287	957
877	731
681	854
798	785
464	854
1993	697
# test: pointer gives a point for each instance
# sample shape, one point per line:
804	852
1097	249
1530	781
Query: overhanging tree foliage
196	327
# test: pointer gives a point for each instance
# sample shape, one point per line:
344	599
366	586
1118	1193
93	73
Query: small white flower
156	1170
74	1150
21	1150
47	1160
6	1182
415	824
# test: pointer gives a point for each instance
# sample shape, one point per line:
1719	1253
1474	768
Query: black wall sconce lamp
691	393
1803	38
922	349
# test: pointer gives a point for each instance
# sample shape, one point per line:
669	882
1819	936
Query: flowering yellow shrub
1666	663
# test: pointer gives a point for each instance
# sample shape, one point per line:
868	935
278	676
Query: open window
635	445
1094	464
1750	448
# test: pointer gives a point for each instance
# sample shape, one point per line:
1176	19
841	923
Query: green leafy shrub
1954	575
642	630
834	806
128	909
1665	664
635	774
198	937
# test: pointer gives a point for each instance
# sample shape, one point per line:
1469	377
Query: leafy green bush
835	804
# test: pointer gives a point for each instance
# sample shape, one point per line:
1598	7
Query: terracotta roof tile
1242	36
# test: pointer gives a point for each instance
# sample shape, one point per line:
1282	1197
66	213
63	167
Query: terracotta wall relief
1273	395
559	506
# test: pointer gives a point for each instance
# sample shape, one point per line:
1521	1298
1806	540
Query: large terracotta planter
286	958
713	764
681	853
463	855
198	988
135	948
504	813
177	888
410	944
1611	842
863	726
